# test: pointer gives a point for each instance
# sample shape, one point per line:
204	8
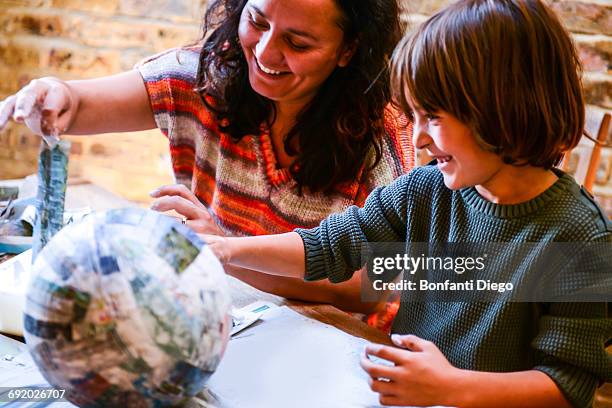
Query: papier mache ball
127	308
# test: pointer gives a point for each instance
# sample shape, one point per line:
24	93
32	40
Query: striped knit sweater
240	183
563	340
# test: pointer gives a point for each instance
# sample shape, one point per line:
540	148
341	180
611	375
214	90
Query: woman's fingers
195	213
7	107
56	103
177	190
179	204
27	99
48	123
44	105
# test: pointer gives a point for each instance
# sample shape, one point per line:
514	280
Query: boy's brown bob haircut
505	68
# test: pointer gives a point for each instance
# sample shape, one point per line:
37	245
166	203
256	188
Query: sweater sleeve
179	112
169	78
333	249
571	338
156	72
570	344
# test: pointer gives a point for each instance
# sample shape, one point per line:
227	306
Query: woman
278	119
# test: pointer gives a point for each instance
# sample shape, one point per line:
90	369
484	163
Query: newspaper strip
52	176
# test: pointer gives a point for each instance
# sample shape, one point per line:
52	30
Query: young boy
495	96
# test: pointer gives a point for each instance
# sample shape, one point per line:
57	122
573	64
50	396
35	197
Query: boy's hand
421	376
218	245
179	198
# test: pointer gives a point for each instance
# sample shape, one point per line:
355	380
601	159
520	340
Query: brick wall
87	38
74	39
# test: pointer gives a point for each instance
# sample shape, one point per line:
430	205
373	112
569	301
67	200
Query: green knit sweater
564	340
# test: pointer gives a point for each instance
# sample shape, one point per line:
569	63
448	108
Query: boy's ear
348	50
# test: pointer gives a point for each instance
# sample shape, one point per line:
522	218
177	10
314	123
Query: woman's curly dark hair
335	132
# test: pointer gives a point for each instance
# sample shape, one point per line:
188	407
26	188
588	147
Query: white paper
245	317
288	360
14	278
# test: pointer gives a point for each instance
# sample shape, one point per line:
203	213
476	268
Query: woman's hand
179	198
421	375
47	106
52	107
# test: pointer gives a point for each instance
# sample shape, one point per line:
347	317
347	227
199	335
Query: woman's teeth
267	70
443	159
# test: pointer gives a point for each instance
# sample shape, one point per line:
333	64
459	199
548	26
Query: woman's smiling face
291	46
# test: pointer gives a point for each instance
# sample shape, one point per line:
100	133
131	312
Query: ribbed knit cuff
315	261
577	385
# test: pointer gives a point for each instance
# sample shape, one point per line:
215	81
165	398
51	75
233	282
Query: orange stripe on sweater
205	185
236	149
183	158
231	207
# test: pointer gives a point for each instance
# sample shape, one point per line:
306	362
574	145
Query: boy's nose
420	138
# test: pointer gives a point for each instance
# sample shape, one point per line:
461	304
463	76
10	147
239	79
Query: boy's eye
432	116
